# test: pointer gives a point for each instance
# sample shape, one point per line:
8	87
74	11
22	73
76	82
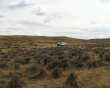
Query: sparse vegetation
71	81
15	81
34	68
44	65
56	73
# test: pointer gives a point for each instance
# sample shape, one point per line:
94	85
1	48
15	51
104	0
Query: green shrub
56	73
34	68
3	65
15	81
40	74
20	61
71	81
16	66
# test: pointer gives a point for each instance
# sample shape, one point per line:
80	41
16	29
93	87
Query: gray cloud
40	12
104	1
48	16
1	16
53	16
76	17
32	23
93	23
20	4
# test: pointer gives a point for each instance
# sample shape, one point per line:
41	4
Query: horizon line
54	36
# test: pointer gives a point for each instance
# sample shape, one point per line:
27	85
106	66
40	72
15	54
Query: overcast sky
73	18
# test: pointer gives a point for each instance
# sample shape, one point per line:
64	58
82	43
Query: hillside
37	62
40	41
35	41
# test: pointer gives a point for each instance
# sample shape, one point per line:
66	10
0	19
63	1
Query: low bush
71	81
56	73
15	81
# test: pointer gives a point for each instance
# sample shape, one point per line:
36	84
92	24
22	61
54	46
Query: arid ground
37	62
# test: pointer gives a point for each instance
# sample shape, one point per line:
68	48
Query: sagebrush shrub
34	68
15	81
71	81
56	73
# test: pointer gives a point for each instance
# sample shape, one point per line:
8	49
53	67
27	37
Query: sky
83	19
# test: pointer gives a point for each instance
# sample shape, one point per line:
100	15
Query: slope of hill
37	62
44	41
33	41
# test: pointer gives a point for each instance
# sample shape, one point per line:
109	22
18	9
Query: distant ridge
48	39
53	37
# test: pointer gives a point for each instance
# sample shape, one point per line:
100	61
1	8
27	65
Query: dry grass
98	77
